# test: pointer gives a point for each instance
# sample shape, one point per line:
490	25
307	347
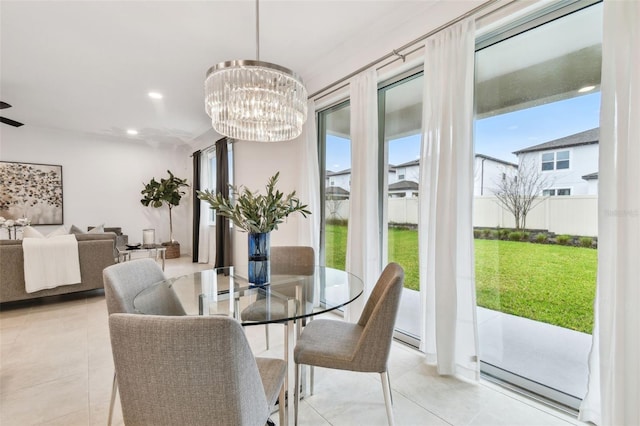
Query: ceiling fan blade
11	122
4	105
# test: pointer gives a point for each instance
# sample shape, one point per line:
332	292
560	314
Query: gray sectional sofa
96	252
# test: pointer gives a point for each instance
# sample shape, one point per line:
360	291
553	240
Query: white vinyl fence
573	215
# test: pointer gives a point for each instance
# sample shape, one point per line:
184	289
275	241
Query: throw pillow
60	231
97	230
31	232
75	230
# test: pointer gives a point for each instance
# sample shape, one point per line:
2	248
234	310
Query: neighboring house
341	179
592	183
403	189
566	162
335	193
488	172
409	171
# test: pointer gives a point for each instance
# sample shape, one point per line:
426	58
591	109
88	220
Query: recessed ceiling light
155	95
132	132
586	89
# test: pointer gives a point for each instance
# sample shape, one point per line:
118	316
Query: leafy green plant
516	236
563	239
253	212
167	191
495	234
486	233
477	233
504	234
586	242
542	238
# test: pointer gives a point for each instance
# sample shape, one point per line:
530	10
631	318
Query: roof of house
591	176
583	138
403	185
497	160
408	163
341	172
335	190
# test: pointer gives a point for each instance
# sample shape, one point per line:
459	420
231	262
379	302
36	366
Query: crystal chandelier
255	100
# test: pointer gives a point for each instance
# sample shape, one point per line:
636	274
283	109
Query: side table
124	253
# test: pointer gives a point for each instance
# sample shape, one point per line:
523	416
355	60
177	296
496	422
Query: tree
520	191
167	191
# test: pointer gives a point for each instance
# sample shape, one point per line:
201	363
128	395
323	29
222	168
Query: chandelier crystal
255	101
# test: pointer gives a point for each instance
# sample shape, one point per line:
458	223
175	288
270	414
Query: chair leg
311	379
266	334
386	389
296	393
282	406
114	390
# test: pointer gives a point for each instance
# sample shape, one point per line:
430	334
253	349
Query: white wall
575	215
255	163
102	179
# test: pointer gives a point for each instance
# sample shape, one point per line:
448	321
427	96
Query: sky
496	136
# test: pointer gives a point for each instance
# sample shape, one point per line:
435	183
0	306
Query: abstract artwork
31	191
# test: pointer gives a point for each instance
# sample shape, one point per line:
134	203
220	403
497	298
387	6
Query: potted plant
258	215
167	191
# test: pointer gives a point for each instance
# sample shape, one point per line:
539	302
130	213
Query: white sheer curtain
363	235
613	396
206	247
309	228
445	229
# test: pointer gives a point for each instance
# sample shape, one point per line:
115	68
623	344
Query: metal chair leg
311	379
296	393
266	334
387	396
114	390
282	406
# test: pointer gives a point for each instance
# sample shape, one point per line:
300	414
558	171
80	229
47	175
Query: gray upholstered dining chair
122	282
363	346
192	370
289	260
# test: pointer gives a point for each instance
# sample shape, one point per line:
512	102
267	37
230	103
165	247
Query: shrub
477	233
487	233
515	236
504	234
542	238
526	236
495	234
586	242
339	222
563	239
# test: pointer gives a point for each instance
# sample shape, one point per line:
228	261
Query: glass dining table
295	292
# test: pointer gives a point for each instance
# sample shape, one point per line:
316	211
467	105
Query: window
555	160
521	105
335	155
560	191
400	121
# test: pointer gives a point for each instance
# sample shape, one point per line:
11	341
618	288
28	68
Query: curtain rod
395	52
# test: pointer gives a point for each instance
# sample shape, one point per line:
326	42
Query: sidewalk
553	356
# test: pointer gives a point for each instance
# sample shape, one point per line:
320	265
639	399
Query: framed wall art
31	191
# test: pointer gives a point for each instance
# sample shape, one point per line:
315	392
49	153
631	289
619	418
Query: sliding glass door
400	122
535	210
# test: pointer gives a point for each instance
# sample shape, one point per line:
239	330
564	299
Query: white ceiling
87	66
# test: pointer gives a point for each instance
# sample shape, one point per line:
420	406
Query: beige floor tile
44	402
56	368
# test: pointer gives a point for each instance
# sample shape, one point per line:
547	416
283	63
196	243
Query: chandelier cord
257	30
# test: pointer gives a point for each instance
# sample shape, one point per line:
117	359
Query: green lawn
549	283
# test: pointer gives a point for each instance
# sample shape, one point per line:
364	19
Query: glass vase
259	264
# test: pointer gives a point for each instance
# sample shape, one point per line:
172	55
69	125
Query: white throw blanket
50	262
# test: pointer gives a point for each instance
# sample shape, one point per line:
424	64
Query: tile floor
56	369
